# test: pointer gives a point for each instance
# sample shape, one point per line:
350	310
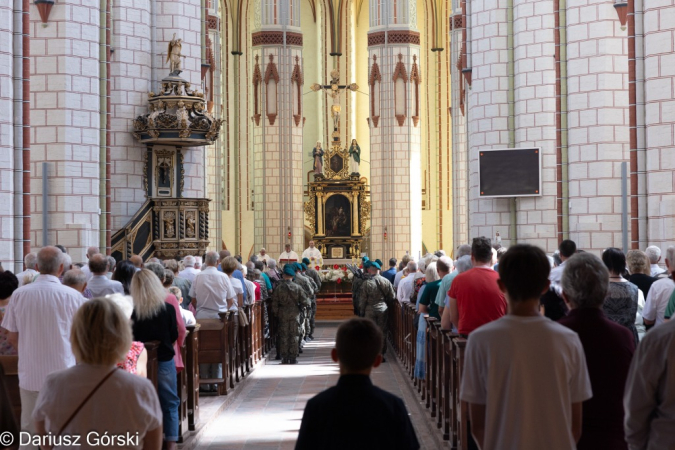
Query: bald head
50	261
91	251
137	261
98	264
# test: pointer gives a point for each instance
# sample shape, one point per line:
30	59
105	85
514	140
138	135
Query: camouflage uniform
314	276
310	289
356	288
374	294
288	299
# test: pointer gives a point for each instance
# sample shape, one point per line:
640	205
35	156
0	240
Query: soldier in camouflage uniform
356	286
376	291
288	301
313	275
310	289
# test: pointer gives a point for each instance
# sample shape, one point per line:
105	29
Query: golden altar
338	207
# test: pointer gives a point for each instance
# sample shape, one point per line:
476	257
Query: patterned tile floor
268	412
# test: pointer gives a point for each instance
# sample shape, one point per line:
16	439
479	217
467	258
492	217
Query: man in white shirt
659	294
288	256
99	285
91	251
190	272
649	399
38	318
313	254
567	249
525	376
30	260
263	256
213	293
407	285
654	254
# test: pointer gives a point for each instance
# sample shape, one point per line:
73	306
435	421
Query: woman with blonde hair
155	320
84	400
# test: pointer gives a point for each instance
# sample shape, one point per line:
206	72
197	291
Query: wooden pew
462	409
192	367
432	374
153	363
181	382
448	428
10	368
214	348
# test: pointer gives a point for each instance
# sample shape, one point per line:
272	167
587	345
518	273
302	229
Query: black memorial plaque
510	172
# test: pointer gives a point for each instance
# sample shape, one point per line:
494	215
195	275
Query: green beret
376	265
379	262
305	261
367	264
289	270
297	267
304	266
365	258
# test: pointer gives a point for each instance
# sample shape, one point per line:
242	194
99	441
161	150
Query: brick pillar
277	129
395	177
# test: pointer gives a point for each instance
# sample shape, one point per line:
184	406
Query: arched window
400	91
271	82
375	82
257	80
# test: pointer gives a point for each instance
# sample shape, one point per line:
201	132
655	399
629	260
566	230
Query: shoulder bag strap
77	410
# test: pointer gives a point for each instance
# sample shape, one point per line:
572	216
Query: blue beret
289	270
305	261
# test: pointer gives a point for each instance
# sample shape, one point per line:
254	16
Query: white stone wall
659	63
535	108
65	124
598	122
395	171
130	69
488	112
6	137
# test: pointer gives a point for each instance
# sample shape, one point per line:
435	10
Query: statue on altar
355	153
317	154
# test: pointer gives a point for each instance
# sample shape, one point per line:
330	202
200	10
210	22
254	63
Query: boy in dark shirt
355	414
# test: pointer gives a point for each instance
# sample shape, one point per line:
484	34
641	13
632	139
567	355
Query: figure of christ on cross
334	89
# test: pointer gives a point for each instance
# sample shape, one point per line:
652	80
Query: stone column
7	146
396	195
65	124
277	122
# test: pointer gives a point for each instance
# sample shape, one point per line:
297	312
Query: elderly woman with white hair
427	307
123	404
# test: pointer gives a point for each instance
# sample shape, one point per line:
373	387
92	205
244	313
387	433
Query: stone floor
267	413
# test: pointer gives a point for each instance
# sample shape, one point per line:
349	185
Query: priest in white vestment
263	256
288	256
313	254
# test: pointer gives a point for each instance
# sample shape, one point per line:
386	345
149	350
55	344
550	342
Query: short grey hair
189	261
198	261
463	250
211	259
445	261
91	251
74	277
67	261
670	256
30	260
272	263
412	267
653	253
431	274
463	264
112	262
157	269
585	281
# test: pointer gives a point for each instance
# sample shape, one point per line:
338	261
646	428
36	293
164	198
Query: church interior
333	130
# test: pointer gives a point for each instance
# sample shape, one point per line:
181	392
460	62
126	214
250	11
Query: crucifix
334	89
